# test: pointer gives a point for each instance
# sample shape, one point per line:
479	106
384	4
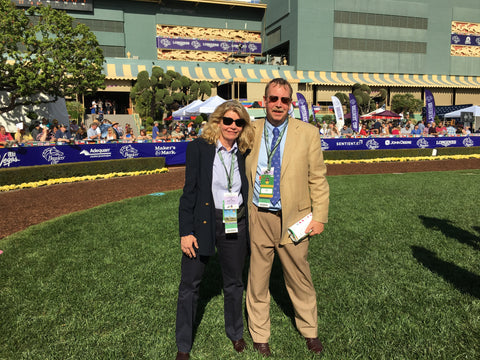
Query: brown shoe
182	356
239	345
262	348
314	345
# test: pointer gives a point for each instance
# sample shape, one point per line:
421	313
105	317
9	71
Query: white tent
457	114
181	114
207	107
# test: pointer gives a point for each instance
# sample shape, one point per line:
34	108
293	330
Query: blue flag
354	112
303	107
430	105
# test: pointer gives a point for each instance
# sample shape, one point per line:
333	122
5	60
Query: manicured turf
397	273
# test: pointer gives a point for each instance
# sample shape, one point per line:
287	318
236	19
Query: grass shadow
448	229
464	280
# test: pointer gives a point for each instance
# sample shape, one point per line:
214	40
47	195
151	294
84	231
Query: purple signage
174	152
208	45
468	40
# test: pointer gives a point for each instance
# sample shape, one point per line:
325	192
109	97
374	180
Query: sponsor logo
456	39
324	145
467	142
96	153
53	155
398	142
422	143
252	47
8	158
196	44
164	150
165	42
225	46
446	143
128	151
352	143
372	144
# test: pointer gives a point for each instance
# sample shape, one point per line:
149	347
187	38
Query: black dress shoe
239	345
182	356
314	345
262	348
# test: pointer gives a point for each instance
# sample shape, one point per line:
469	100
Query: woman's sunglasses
274	99
228	121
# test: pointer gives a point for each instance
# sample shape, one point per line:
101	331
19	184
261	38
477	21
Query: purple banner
354	112
303	108
208	45
468	40
174	152
386	143
430	105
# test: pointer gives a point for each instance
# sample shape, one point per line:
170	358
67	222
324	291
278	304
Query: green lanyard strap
232	166
271	152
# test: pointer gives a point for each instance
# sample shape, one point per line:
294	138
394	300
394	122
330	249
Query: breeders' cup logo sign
372	144
8	158
467	142
324	145
422	143
128	151
53	155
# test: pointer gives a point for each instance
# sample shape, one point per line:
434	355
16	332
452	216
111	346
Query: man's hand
315	227
189	245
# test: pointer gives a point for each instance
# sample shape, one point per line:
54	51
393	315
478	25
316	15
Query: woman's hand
189	245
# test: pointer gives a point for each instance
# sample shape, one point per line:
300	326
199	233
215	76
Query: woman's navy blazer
197	208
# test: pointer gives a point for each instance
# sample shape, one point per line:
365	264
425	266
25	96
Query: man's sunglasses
228	121
274	99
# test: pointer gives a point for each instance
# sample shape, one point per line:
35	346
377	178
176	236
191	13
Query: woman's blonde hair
211	131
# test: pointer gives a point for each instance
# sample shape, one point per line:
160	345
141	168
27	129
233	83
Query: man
117	130
62	134
93	133
155	131
287	153
177	134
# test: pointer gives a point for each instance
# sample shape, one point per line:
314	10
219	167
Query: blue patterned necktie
276	166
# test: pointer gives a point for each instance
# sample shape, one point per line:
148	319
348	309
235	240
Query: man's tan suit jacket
303	185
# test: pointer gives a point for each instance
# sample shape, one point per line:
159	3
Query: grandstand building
322	47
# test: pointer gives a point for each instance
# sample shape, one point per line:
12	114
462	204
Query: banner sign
174	152
337	107
354	112
209	45
388	143
468	40
429	105
303	107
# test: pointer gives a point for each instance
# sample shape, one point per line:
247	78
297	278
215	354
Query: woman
4	136
332	130
143	135
214	180
111	135
128	134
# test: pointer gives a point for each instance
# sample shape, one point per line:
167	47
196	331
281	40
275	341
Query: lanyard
232	165
271	152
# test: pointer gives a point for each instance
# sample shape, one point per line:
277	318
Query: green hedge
376	154
19	175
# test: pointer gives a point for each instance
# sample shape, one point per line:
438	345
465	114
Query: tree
366	100
43	52
406	103
165	91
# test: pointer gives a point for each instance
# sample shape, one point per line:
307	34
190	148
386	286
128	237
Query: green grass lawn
397	273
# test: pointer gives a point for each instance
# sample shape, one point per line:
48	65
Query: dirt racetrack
23	208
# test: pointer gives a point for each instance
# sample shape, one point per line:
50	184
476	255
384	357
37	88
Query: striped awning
227	73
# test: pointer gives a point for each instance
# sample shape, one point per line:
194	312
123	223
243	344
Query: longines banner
174	152
208	45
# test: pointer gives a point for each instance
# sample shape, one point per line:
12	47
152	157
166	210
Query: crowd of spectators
397	128
108	131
